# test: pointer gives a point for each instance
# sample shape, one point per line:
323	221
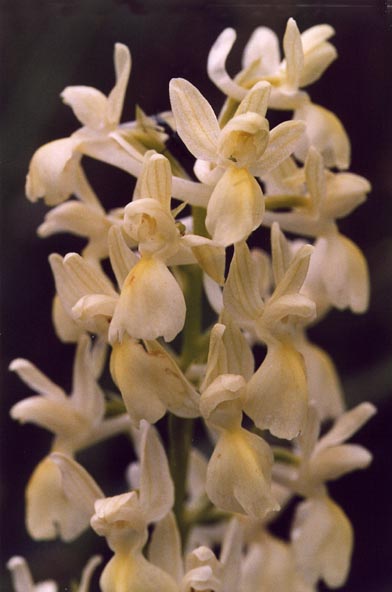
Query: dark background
47	45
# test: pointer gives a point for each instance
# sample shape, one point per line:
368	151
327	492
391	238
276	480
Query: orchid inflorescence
200	515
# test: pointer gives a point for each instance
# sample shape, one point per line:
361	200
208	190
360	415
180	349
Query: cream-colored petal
118	152
345	272
241	294
322	538
216	65
211	258
315	178
87	573
240	358
75	277
217	363
178	394
269	565
345	192
243	140
155	501
117	516
325	132
152	227
256	99
238	474
283	140
94	310
88	104
155	180
49	513
196	122
56	416
78	486
151	303
36	380
122	258
294	54
315	36
280	252
347	425
221	402
325	390
214	294
231	555
131	572
295	275
22	580
74	217
333	462
316	62
164	549
122	65
293	308
203	572
66	329
236	207
263	45
277	394
53	172
87	397
229	352
138	376
114	150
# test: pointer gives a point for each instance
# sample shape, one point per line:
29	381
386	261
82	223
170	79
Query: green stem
180	429
180	440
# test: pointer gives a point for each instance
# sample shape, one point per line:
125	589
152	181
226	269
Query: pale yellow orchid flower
77	421
228	158
338	272
277	394
306	57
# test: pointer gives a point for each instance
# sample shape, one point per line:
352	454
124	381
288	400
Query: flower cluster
198	515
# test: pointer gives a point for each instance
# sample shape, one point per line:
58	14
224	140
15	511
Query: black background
47	45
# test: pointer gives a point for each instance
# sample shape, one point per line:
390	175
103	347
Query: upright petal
294	55
347	425
216	65
164	549
283	141
241	295
196	122
122	65
36	380
263	45
155	501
